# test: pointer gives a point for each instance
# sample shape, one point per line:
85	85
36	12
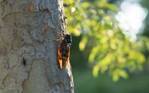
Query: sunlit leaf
95	71
118	73
137	56
83	43
93	54
112	7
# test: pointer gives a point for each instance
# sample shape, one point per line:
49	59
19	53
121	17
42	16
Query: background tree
28	47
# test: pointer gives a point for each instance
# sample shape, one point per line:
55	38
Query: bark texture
28	59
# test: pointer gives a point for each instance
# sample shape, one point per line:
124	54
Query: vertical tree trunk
28	47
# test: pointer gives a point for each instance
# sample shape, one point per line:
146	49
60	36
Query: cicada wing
59	58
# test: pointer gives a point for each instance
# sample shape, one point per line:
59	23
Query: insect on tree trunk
28	47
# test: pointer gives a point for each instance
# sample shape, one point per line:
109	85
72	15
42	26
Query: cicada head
68	40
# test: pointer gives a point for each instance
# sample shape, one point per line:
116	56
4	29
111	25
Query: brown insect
63	51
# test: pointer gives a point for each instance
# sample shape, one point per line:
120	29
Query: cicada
63	51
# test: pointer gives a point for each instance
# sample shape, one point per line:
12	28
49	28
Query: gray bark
28	47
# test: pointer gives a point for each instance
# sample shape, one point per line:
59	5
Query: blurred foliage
108	49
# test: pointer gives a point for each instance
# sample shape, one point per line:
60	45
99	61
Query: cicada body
63	52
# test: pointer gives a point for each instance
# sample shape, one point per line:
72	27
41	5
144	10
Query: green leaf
95	71
83	43
119	73
93	53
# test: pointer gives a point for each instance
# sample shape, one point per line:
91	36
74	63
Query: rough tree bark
28	59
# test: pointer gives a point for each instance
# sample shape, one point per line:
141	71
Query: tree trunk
28	47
